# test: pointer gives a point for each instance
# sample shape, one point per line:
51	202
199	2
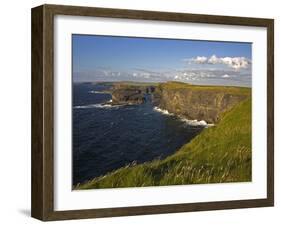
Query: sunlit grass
223	89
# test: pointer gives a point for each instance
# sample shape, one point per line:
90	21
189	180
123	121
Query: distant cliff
198	102
130	93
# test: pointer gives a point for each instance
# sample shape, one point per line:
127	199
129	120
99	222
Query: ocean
107	137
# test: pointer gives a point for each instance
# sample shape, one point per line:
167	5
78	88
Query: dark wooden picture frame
43	110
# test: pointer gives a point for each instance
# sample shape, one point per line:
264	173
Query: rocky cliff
189	101
130	93
198	102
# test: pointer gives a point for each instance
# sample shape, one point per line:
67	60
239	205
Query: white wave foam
187	121
195	122
97	106
97	92
165	112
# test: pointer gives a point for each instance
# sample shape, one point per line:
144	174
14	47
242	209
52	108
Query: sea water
107	137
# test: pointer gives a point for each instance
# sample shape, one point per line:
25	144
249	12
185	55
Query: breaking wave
196	122
164	112
187	121
98	92
97	106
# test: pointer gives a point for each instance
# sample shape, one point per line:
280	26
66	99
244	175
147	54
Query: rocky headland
130	93
221	153
192	102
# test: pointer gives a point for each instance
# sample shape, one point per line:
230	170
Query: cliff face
130	94
190	101
198	102
127	96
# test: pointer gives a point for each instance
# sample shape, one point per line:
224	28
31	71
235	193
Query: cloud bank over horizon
212	76
236	63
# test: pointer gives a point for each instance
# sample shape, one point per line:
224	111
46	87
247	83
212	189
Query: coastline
101	182
205	159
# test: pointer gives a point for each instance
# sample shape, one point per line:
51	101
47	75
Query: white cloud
196	75
232	62
214	60
200	60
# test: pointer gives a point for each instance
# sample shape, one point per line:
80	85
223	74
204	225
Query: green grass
224	89
218	154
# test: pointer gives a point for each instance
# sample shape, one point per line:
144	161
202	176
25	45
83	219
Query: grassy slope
219	154
227	89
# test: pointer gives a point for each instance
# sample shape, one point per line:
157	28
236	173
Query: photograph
159	112
137	112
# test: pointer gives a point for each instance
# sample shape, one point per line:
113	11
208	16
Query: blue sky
118	58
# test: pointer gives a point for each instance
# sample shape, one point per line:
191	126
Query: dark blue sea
106	138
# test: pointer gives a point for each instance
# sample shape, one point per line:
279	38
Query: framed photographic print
141	112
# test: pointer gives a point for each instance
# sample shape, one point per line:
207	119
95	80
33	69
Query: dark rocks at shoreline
126	94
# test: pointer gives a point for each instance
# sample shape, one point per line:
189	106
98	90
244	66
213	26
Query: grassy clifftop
219	154
197	101
227	89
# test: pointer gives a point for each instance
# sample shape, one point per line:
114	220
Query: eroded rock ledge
130	94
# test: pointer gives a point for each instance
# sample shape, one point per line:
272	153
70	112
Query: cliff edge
131	93
198	102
